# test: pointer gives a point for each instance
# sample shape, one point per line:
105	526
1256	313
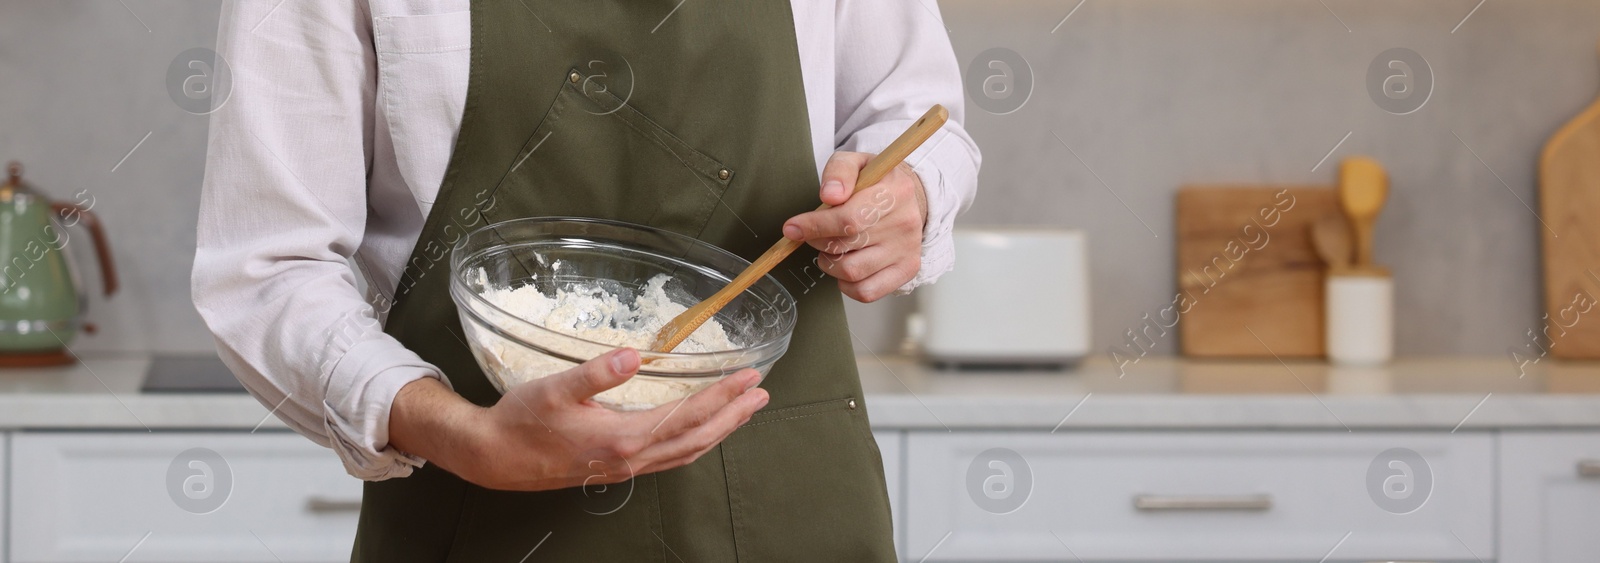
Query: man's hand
548	434
872	240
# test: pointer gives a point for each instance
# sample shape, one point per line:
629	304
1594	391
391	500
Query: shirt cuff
361	390
949	175
948	178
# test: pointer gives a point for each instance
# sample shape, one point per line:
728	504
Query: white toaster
1016	296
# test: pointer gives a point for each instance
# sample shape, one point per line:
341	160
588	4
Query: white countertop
102	392
1172	393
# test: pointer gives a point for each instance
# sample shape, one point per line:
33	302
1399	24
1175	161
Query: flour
591	312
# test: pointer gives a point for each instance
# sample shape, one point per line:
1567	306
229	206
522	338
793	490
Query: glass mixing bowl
565	253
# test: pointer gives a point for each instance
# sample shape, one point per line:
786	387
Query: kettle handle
102	245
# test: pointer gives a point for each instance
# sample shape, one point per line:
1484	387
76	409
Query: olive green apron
686	116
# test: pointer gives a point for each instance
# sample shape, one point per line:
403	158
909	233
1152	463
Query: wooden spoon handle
680	327
901	148
1363	232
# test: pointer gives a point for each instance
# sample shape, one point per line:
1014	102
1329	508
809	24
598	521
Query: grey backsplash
84	81
1152	94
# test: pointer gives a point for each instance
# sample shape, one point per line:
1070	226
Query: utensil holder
1360	318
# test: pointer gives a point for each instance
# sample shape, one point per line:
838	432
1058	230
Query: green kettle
41	298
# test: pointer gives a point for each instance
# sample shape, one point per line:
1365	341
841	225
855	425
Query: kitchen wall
84	83
1152	94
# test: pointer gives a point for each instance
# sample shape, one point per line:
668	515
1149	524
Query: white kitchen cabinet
1281	496
137	496
1549	497
5	484
892	445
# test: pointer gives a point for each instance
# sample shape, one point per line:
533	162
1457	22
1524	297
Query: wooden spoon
679	329
1331	236
1363	187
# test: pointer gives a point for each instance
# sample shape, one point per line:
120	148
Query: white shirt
337	135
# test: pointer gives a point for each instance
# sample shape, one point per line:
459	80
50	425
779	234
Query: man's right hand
549	434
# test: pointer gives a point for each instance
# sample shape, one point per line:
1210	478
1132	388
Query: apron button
724	174
573	77
851	403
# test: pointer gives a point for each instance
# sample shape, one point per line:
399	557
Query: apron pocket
662	182
805	483
607	103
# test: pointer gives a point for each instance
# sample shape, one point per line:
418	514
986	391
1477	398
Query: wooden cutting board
1245	260
1569	205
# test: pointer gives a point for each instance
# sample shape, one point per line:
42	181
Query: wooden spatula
679	329
1363	188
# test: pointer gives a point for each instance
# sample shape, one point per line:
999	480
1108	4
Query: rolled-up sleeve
282	211
895	61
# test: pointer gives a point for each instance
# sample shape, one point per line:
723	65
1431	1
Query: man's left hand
871	240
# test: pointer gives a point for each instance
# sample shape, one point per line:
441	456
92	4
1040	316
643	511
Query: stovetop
189	374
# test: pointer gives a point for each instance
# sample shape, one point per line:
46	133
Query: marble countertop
102	392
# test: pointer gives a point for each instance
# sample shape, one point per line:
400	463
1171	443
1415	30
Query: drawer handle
1589	468
1202	502
322	504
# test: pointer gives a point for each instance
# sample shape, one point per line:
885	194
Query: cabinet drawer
1198	496
893	448
263	497
1550	497
5	450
